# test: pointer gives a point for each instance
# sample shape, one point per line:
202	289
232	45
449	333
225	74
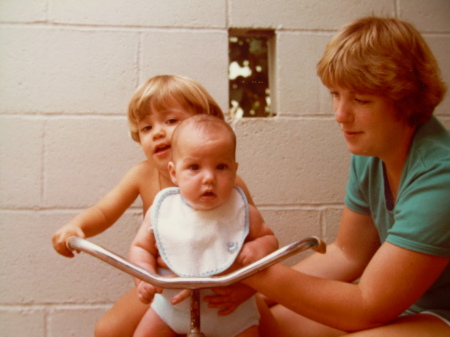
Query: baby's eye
222	167
194	167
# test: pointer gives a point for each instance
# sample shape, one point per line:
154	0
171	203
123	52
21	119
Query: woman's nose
343	112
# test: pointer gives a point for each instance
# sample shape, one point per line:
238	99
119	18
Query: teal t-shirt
419	219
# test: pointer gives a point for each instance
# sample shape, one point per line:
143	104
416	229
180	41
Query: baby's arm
260	241
143	252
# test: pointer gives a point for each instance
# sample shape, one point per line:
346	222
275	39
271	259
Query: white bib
196	243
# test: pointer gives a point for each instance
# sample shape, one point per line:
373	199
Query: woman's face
369	123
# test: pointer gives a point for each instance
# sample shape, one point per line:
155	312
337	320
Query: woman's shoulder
431	148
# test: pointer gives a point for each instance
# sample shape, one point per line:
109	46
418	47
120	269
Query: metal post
195	314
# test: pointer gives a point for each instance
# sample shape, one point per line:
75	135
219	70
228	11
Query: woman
388	270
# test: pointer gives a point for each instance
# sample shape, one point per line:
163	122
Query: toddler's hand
60	237
180	297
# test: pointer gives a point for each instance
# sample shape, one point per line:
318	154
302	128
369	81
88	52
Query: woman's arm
393	280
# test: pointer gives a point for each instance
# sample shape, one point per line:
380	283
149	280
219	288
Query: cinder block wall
67	70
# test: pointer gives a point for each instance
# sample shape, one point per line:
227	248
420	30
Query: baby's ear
172	173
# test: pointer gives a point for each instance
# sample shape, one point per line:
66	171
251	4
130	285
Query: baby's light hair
159	92
386	57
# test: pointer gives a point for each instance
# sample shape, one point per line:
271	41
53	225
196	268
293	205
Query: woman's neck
395	161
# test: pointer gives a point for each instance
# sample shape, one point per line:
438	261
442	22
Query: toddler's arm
102	215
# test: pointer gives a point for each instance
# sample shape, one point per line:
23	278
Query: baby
203	227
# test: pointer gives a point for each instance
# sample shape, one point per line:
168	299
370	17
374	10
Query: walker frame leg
195	315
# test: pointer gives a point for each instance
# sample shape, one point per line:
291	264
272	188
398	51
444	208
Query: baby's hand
146	292
250	253
60	237
227	299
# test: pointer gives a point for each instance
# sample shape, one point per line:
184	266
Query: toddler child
154	111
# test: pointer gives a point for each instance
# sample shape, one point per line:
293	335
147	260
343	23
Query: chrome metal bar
76	243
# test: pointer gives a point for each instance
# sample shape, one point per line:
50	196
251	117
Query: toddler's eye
222	167
172	121
146	128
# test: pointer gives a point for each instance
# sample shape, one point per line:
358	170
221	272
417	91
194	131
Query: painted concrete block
141	13
200	55
23	11
305	14
86	158
33	273
21	155
300	90
293	161
66	321
292	224
24	322
427	16
65	70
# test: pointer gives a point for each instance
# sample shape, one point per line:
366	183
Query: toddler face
155	132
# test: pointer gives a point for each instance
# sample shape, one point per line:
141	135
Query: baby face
205	170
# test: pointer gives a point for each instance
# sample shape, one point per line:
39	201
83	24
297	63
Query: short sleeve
422	215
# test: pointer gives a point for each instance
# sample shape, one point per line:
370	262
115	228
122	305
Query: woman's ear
172	173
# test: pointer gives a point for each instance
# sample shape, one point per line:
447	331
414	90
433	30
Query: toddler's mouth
162	148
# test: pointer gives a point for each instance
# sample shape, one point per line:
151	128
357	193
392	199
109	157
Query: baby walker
194	283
